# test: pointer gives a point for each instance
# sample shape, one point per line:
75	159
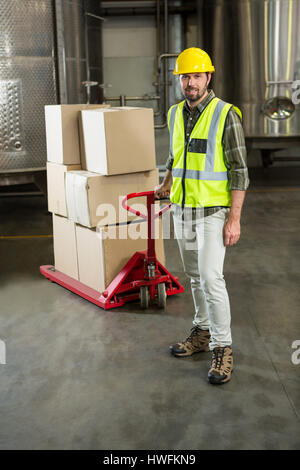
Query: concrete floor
77	377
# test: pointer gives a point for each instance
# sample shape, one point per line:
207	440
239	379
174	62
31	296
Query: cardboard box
103	253
62	132
95	257
65	248
94	199
56	187
118	140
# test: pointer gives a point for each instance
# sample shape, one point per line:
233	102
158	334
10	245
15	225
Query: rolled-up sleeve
169	162
235	152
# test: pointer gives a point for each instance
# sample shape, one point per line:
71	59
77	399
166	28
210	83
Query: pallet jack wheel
162	296
144	297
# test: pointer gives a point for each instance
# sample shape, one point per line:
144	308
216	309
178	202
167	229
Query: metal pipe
61	53
87	53
280	82
121	98
163	57
177	33
95	16
157	84
88	85
131	11
166	47
165	74
87	63
199	23
161	126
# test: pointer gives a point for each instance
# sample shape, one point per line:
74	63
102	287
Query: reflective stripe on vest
211	141
200	175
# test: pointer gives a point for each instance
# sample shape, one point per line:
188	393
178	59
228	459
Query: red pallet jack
142	278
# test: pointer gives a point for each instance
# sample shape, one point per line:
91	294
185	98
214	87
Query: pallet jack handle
150	198
150	217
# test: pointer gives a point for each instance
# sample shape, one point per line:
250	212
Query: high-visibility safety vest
199	171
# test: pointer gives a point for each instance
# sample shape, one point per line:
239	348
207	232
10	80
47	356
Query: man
206	178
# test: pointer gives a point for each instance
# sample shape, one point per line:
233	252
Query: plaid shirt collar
202	105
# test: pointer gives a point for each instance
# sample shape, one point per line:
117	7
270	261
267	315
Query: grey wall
129	56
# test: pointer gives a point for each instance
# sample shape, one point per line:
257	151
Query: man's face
194	85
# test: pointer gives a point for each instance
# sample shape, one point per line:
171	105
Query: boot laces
218	355
194	332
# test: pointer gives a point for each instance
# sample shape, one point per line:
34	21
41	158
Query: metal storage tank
47	49
255	47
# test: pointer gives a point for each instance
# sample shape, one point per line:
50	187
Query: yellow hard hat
193	60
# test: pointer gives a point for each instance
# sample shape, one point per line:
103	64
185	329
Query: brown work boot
196	342
221	365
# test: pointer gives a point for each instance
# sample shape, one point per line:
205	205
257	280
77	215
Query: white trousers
202	251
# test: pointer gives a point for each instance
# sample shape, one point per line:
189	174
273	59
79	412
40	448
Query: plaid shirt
233	144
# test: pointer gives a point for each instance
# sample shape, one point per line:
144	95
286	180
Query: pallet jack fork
142	278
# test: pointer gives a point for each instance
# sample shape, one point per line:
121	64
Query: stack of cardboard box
96	155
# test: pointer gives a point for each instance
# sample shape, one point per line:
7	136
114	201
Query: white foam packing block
77	197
